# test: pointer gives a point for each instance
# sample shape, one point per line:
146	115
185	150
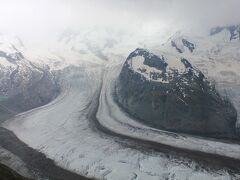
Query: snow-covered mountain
102	45
216	54
96	45
232	32
23	84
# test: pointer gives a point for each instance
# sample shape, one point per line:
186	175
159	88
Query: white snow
5	64
145	70
174	63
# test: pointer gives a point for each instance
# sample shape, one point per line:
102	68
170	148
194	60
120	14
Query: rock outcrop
169	93
23	84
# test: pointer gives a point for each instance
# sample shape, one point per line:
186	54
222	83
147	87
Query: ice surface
62	131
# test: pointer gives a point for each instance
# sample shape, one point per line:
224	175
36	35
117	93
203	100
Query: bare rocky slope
169	93
23	84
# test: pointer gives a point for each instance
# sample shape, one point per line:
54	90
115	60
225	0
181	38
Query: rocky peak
150	59
182	44
233	30
13	57
169	93
23	84
160	68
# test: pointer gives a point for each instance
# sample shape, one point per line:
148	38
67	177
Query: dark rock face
234	31
176	101
180	46
36	91
24	85
188	44
175	46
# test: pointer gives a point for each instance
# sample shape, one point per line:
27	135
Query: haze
41	21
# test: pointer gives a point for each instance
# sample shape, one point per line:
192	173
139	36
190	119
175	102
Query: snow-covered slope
231	32
159	68
23	84
215	54
98	45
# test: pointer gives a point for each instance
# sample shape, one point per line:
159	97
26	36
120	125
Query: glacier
65	131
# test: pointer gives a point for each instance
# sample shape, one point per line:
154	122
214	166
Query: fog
44	20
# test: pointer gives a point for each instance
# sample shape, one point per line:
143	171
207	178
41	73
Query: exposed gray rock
181	44
172	99
23	85
234	31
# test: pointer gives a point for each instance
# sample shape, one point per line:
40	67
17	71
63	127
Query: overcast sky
41	19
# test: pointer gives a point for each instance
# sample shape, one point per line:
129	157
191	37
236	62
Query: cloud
41	20
206	13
